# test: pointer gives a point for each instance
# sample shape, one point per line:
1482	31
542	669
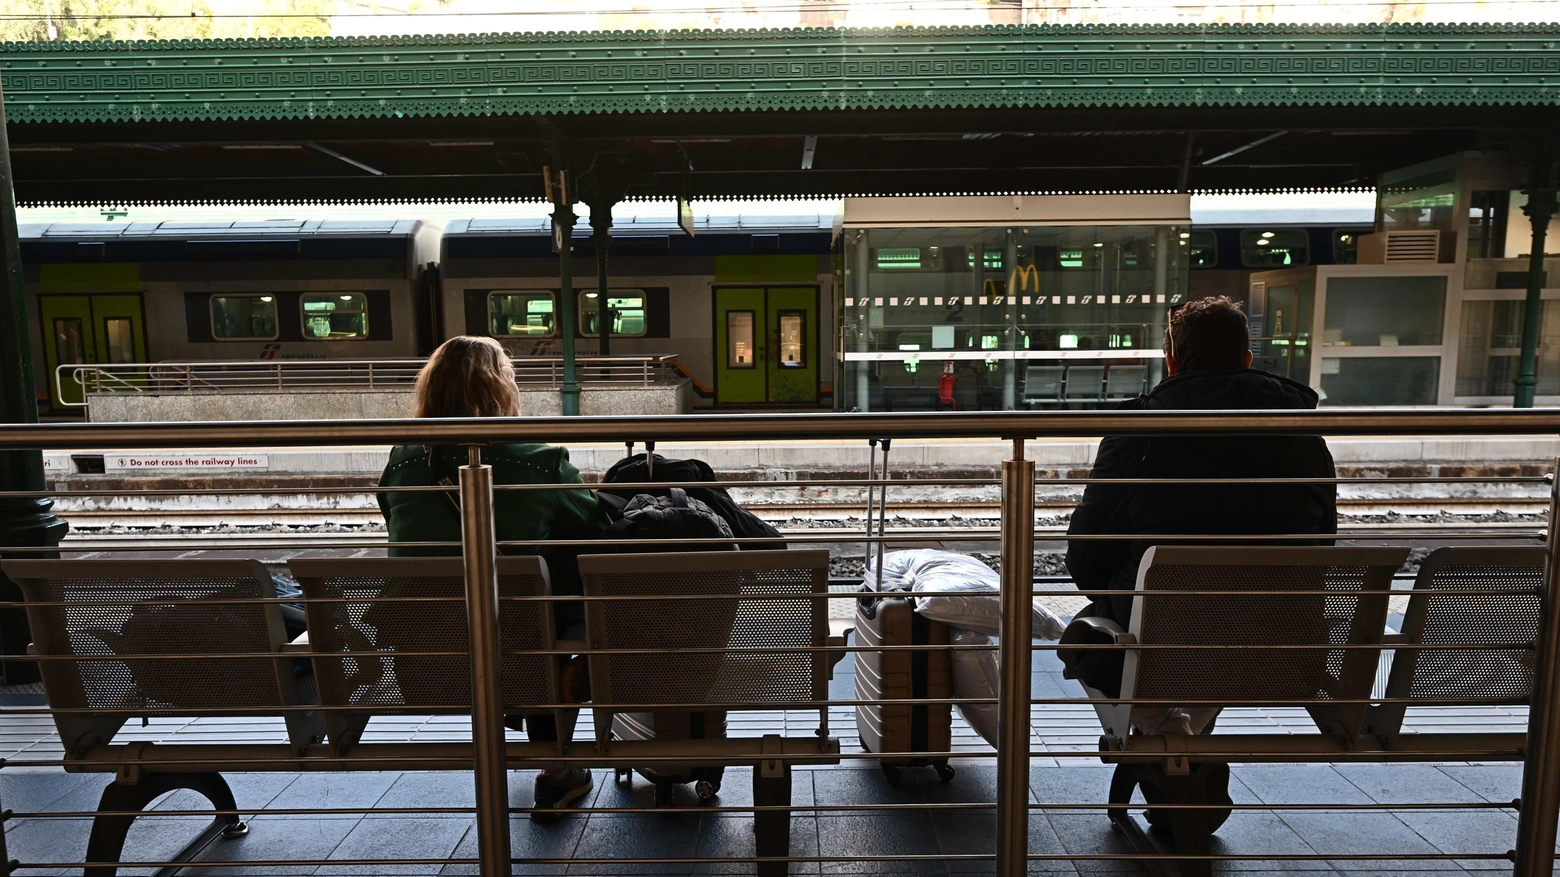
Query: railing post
1540	805
1018	580
480	549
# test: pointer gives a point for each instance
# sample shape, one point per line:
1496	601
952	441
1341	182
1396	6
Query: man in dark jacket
1208	360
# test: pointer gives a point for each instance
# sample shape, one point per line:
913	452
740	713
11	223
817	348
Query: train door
88	330
766	345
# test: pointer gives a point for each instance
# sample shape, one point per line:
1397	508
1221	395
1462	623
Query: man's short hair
1208	334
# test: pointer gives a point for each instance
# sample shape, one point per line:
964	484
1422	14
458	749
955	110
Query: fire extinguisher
945	386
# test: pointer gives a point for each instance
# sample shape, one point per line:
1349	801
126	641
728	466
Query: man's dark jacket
1193	509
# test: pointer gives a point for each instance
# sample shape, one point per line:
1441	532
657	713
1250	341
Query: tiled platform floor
1069	776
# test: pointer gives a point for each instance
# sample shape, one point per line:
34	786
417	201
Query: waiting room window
522	313
334	316
243	317
628	313
1261	248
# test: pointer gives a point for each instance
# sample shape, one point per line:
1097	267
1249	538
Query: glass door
793	362
741	363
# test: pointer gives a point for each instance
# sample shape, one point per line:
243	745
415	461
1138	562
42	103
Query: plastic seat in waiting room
1085	383
1124	382
1043	384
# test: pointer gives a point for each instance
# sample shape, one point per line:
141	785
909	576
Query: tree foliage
37	20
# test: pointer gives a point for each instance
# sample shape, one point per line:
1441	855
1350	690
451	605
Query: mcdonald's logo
1018	280
988	288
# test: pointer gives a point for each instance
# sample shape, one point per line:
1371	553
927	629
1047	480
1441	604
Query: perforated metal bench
388	636
1251	648
108	660
754	636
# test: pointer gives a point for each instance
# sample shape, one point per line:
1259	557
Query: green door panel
740	346
792	320
88	330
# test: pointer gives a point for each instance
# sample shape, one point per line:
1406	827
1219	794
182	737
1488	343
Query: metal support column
601	225
563	236
1540	806
1018	580
1010	321
480	550
1156	326
1539	209
23	522
862	288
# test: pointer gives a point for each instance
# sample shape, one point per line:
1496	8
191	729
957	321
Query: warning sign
183	462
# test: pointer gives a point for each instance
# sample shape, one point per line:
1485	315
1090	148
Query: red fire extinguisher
945	386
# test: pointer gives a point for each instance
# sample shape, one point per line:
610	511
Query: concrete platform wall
364	404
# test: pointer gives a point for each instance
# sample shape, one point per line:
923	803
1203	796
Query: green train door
88	330
766	345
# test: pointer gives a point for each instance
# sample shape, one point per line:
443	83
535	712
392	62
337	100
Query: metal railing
264	376
1540	805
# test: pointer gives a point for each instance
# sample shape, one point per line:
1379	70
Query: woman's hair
467	377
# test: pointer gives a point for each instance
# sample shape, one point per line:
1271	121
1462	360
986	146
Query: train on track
147	292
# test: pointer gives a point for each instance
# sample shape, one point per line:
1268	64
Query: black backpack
660	521
637	469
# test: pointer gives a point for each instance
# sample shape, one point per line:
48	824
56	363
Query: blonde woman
473	377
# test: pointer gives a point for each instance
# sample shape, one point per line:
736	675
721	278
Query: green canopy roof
766	113
805	69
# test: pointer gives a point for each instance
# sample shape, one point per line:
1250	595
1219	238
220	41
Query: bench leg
107	840
772	788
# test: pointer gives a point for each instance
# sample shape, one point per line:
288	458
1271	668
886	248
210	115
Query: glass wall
958	318
1491	342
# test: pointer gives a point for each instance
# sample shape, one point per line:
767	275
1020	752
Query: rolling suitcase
672	725
887	619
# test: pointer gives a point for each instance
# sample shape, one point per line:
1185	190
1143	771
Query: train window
121	340
334	316
793	328
1202	248
739	340
243	317
1346	245
521	313
1274	249
628	313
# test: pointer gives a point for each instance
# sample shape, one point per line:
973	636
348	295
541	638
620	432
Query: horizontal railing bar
773	427
609	759
732	860
740	706
764	808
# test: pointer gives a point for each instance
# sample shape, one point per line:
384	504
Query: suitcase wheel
623	776
890	773
944	771
665	794
706	789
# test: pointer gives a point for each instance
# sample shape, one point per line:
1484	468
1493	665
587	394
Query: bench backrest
740	615
417	604
1204	596
164	627
1125	381
1085	382
1501	629
1043	382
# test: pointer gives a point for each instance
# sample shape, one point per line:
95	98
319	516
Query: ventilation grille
1398	247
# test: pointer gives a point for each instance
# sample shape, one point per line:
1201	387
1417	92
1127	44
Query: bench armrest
1088	631
836	643
301	644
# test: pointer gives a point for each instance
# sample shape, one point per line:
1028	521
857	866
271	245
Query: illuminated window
899	258
243	317
1070	257
793	334
1265	248
521	313
334	316
739	340
1346	245
628	313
